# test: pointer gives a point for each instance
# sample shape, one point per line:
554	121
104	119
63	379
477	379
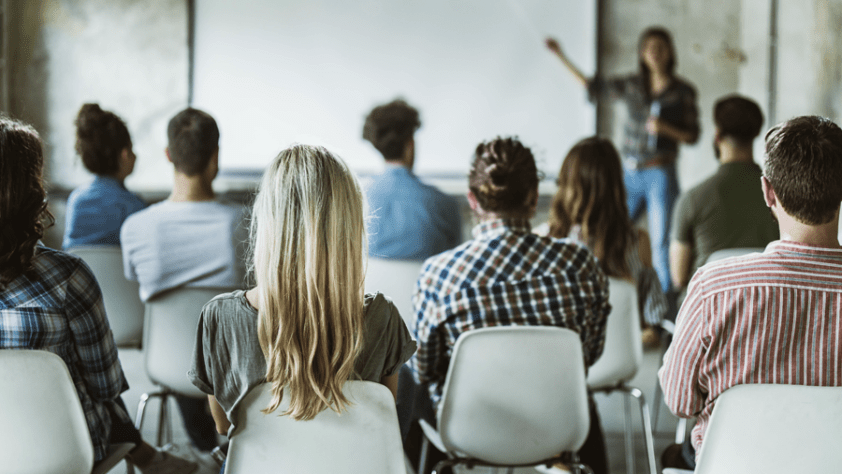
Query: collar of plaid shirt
494	227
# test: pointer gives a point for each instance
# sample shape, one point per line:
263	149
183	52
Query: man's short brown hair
193	139
389	127
804	167
738	118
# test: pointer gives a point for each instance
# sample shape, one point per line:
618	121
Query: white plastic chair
363	439
121	297
44	428
619	363
513	396
395	279
170	327
774	429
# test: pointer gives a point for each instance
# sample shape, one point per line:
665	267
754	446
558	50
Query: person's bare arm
391	382
219	417
555	47
681	255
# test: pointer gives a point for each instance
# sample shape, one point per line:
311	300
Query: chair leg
681	431
422	459
577	466
629	436
162	420
647	428
656	404
141	408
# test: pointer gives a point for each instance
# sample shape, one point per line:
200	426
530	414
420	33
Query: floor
610	409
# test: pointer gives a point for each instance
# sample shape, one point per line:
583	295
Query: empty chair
170	326
395	279
774	429
513	396
121	298
44	428
363	439
620	361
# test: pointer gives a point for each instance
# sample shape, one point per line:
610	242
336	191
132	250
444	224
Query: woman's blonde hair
308	241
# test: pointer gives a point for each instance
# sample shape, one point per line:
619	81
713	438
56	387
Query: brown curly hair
390	126
503	175
23	199
591	194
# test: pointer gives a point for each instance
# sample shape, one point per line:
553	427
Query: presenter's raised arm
554	46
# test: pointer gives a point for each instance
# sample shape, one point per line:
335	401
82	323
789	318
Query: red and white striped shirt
774	317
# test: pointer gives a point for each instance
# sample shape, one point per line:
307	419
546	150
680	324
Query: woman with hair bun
96	212
506	275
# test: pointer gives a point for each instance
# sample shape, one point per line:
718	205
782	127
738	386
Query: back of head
738	118
101	136
804	167
23	200
390	127
504	177
193	139
308	239
591	194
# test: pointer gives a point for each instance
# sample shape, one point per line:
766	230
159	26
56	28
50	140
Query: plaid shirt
58	307
677	107
506	276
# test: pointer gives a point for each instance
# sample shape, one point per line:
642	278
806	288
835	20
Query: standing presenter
662	113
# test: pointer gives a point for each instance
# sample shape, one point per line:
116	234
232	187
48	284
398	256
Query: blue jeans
654	189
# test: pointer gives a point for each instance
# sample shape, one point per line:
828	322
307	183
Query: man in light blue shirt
410	220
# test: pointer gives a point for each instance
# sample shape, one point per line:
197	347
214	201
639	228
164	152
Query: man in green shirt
726	210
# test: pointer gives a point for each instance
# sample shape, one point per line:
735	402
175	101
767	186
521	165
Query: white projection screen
277	72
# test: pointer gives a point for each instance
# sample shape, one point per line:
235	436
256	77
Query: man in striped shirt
773	317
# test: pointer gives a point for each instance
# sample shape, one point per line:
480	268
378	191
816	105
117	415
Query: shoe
557	468
169	464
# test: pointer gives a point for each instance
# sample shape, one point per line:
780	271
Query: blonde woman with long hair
307	326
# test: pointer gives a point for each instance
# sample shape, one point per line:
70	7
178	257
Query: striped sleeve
683	389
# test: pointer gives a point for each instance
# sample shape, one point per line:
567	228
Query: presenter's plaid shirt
506	276
58	307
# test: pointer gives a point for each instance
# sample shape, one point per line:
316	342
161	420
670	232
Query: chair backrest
774	429
121	297
43	425
623	353
736	252
395	279
515	395
365	438
170	327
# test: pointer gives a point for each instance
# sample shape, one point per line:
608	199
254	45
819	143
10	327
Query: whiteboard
277	72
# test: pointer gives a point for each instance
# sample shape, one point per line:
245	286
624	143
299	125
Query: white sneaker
169	464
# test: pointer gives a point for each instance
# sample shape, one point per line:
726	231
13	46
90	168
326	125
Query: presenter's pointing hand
553	45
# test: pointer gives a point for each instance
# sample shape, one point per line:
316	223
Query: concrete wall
130	56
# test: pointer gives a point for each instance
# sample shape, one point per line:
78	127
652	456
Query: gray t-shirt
228	361
198	244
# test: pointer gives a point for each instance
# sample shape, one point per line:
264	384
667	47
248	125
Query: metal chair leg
681	430
628	435
422	460
141	409
647	428
162	419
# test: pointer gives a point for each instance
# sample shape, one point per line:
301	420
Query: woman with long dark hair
590	207
662	113
52	302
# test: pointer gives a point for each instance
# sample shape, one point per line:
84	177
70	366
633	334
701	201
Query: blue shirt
58	307
96	212
409	219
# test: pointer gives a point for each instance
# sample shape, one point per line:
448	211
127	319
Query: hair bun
90	118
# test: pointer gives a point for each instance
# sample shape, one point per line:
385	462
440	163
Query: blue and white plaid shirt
58	307
506	276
